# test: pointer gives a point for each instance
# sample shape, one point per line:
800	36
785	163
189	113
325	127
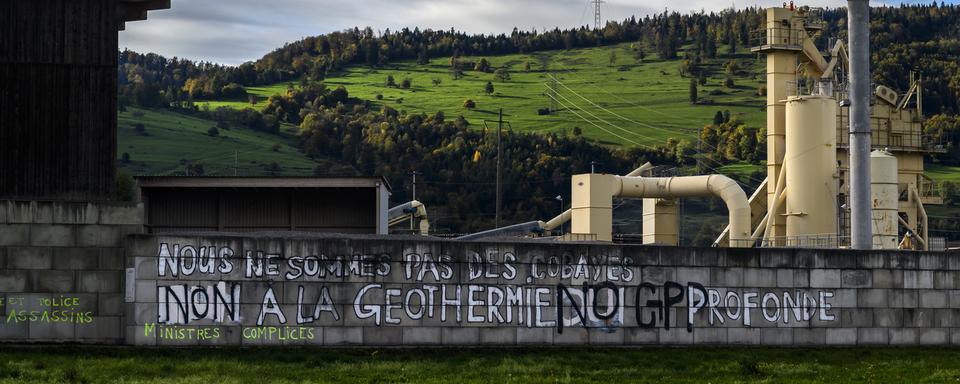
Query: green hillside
623	102
170	141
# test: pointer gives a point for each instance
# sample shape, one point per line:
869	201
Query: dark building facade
58	96
248	204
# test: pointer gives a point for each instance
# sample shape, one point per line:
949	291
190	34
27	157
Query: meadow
621	101
171	140
66	364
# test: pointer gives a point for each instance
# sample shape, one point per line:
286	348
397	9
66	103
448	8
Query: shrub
213	132
406	83
379	96
543	111
469	104
140	128
276	147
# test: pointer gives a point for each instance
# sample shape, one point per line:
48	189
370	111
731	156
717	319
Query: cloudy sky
235	31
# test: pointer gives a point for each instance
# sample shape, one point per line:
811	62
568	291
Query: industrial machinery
823	115
410	211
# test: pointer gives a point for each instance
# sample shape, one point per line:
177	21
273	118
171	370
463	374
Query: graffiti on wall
278	296
44	309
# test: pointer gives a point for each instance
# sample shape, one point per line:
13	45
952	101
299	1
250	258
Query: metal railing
823	241
780	37
811	87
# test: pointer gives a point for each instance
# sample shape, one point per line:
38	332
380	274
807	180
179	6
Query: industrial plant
844	160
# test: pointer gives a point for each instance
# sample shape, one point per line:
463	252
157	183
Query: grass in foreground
545	365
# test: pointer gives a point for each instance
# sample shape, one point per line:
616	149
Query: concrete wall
61	270
407	291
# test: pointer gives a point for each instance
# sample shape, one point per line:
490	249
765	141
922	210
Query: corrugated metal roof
260	182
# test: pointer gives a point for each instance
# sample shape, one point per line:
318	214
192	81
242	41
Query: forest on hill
457	158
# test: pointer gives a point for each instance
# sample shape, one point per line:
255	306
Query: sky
235	31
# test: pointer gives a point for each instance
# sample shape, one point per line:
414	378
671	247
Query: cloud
235	31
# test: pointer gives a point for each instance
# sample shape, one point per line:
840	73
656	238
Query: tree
728	82
612	60
482	66
406	83
718	118
436	81
140	128
469	104
213	132
125	158
488	88
693	91
502	74
526	66
391	82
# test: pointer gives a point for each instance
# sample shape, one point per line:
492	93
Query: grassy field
622	103
942	172
171	139
544	365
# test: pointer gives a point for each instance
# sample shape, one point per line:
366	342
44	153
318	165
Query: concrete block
872	260
747	336
541	336
932	299
873	298
841	336
886	278
75	213
422	335
100	281
110	304
918	279
52	235
98	235
887	317
14	234
112	258
955	336
102	329
387	336
945	279
873	336
918	318
856	278
710	336
903	336
14	331
53	281
121	214
55	332
726	277
825	278
760	278
933	261
40	258
675	336
776	336
343	336
573	336
856	318
460	336
14	281
597	337
809	336
777	258
934	336
498	336
76	258
641	336
135	335
953	298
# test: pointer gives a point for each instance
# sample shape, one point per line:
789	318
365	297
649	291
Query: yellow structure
794	64
884	190
811	169
661	224
592	207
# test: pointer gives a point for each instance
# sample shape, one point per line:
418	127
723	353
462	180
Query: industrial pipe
719	186
858	16
564	217
412	209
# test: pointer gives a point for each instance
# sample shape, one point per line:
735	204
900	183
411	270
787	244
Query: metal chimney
858	24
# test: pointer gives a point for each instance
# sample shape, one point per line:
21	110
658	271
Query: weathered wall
61	269
217	290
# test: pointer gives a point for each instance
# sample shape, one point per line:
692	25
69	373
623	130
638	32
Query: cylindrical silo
811	165
885	197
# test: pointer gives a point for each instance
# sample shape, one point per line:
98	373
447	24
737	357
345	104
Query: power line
595	125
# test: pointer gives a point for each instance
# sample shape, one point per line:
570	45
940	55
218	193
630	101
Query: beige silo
811	166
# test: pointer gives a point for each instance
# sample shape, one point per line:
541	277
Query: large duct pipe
719	186
858	16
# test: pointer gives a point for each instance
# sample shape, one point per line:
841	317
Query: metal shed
246	204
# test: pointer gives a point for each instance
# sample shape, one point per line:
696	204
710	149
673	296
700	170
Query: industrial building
249	204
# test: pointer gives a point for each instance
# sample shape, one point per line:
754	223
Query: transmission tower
596	15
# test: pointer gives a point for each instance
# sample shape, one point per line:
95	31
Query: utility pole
861	230
699	152
593	165
236	161
499	127
596	14
414	175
